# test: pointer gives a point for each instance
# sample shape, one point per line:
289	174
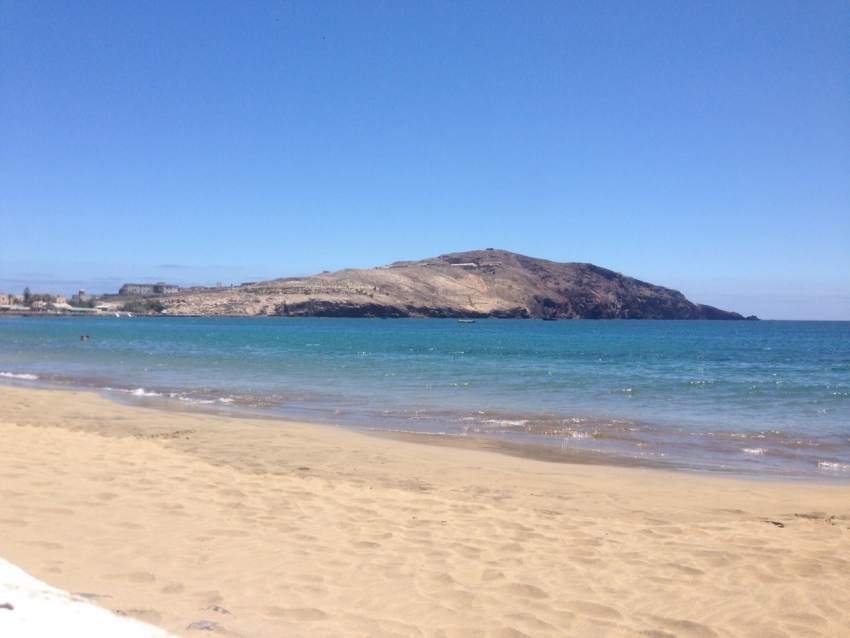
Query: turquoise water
742	397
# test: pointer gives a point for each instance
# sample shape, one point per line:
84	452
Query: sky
703	146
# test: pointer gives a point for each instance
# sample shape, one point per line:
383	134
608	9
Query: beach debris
220	610
203	625
176	434
813	516
8	606
85	594
777	523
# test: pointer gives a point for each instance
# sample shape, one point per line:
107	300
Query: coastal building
37	301
82	311
82	297
159	288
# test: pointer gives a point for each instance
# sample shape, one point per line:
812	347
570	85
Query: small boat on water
550	318
466	320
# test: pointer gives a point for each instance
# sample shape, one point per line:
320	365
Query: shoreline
534	450
551	454
308	530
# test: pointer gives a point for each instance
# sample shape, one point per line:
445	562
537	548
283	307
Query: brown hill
479	283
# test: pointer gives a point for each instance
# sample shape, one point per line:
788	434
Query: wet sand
271	528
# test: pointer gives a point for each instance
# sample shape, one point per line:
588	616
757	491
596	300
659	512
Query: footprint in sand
492	574
44	544
57	510
175	588
228	533
296	613
524	590
685	628
594	610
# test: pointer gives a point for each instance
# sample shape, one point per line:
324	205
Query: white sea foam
755	451
141	392
13	375
829	465
504	422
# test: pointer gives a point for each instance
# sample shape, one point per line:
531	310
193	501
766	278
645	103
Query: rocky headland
474	284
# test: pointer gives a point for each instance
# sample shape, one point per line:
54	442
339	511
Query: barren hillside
479	283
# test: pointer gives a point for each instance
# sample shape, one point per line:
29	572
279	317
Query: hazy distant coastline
476	284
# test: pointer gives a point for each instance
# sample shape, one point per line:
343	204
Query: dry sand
285	529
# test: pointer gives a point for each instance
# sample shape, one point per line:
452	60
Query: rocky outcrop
475	284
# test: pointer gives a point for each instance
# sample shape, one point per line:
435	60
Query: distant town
131	299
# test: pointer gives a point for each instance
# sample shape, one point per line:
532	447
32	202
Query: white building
159	288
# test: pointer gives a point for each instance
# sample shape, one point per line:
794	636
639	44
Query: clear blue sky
701	146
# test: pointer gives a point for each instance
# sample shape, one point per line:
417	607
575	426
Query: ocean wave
198	401
179	396
755	451
829	465
141	392
504	422
22	375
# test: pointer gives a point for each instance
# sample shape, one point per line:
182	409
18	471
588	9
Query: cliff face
480	283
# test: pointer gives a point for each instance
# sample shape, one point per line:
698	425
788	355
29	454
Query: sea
754	398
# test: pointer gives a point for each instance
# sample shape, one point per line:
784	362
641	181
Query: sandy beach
270	528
